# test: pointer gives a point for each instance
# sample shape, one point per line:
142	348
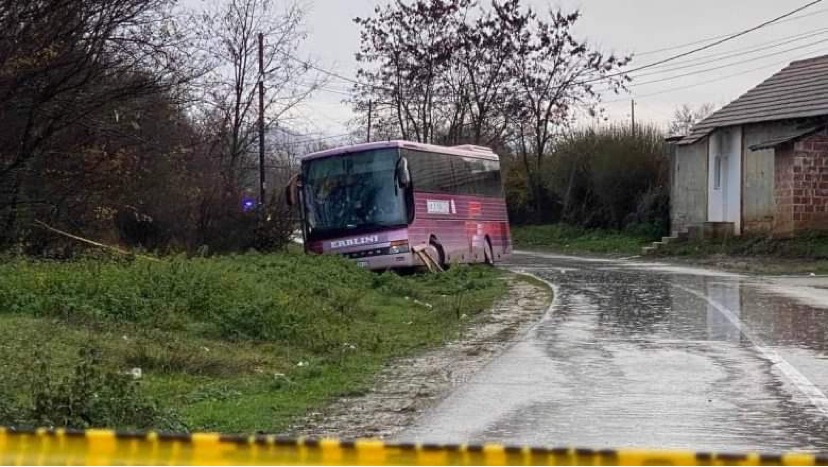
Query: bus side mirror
402	174
292	190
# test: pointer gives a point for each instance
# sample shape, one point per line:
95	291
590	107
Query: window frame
454	187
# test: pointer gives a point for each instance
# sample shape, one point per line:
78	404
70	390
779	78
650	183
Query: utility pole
261	129
370	112
632	113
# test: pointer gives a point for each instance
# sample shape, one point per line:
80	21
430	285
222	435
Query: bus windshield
353	192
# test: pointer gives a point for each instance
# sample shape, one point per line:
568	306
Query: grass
805	253
233	344
569	239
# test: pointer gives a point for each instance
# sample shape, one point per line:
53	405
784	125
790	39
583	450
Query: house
759	164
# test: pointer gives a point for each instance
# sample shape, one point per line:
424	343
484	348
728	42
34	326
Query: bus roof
466	150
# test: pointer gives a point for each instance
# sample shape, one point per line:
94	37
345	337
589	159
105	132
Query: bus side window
494	184
443	173
477	177
430	172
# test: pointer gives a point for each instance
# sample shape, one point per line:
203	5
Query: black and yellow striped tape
103	447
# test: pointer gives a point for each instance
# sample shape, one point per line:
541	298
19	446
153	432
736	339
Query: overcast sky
640	27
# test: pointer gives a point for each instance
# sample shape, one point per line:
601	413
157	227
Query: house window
722	149
717	173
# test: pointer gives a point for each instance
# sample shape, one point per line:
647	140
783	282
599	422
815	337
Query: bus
385	203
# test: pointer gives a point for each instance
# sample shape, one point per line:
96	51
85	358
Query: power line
739	52
714	80
705	47
333	91
742	62
806	35
701	41
332	73
313	140
339	76
722	39
313	86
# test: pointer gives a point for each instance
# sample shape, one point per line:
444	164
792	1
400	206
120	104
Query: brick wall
783	190
801	185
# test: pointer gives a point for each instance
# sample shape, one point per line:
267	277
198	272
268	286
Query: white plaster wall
725	203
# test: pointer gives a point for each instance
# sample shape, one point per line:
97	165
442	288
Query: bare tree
686	116
227	111
406	53
63	61
450	71
555	75
485	57
229	31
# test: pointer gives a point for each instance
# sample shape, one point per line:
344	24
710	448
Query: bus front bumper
411	258
381	262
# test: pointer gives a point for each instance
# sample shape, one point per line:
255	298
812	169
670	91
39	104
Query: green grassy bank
234	344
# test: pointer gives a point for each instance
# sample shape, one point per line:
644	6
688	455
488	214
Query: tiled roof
799	90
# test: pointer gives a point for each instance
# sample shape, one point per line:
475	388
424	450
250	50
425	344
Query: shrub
88	397
606	177
652	214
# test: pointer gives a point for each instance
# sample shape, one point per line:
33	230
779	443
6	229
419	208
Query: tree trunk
8	235
568	193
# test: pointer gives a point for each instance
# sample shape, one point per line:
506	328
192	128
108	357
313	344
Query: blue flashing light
248	205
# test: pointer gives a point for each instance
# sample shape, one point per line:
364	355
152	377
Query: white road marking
794	376
802	383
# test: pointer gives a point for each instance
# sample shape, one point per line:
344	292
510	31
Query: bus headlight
399	246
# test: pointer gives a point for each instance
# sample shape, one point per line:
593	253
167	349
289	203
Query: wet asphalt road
646	355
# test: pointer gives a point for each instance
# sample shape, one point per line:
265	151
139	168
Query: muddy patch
407	387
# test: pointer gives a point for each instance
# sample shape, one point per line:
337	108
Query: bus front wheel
488	253
441	255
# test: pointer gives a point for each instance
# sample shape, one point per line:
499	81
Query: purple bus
378	203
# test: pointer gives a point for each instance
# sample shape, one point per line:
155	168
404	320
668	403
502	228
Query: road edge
406	388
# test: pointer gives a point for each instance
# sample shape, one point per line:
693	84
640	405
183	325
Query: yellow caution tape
102	447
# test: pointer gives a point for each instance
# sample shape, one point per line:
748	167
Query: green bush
288	298
598	178
602	174
87	397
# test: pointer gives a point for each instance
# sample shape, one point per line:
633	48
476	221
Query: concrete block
718	230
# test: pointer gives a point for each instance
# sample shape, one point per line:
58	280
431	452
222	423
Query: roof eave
775	143
694	138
